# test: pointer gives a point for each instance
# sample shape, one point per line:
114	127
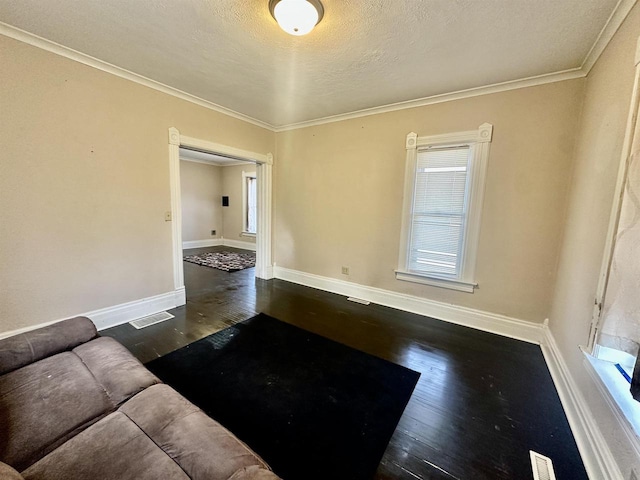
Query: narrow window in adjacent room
250	203
444	183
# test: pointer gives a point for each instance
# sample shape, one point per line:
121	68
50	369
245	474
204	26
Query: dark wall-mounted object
635	381
225	201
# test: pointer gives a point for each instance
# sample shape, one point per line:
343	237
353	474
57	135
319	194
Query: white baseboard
239	244
214	242
596	455
180	296
119	314
486	321
123	313
210	242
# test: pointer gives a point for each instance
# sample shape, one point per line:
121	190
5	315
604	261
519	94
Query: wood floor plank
482	401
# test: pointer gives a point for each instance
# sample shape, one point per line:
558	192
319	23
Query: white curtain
620	325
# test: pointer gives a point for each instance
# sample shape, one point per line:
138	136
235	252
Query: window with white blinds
439	211
251	213
444	186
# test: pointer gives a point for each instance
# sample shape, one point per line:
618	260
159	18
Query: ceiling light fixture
296	17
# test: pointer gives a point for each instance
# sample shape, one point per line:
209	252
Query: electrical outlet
345	270
213	232
167	216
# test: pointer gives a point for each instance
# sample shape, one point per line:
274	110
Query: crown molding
610	28
570	74
53	47
615	20
612	25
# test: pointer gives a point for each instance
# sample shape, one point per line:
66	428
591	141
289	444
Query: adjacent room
320	239
218	220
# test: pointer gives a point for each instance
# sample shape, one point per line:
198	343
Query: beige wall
339	192
201	192
232	215
202	187
601	133
84	184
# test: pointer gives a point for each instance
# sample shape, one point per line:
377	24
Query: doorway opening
219	220
244	185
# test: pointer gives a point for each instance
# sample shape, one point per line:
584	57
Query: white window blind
439	212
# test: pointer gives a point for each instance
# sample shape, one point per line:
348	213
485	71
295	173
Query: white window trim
479	140
246	175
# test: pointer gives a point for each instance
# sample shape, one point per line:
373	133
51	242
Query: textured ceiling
364	53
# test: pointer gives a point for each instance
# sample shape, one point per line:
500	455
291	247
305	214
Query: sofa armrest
8	473
29	347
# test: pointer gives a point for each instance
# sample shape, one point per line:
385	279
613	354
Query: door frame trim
264	167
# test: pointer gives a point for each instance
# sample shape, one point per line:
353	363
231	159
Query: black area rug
227	261
311	407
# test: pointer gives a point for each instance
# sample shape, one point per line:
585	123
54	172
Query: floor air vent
150	320
359	300
542	467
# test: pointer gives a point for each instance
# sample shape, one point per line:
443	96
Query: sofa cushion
112	449
29	347
119	372
43	404
8	473
201	446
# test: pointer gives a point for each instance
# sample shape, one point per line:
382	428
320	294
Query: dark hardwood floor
482	401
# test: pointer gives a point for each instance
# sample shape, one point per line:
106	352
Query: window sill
615	390
248	234
436	282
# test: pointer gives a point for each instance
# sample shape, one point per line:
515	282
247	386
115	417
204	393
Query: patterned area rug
227	261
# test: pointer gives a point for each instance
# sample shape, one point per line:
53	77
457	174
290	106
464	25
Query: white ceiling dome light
296	17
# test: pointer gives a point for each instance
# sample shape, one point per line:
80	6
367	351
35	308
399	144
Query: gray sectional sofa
77	406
